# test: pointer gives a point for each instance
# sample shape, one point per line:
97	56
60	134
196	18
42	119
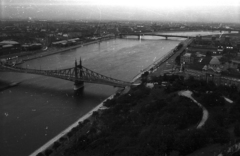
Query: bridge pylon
79	85
139	37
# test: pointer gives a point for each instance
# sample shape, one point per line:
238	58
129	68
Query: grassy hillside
157	121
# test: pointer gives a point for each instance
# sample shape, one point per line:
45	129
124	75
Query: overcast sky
152	10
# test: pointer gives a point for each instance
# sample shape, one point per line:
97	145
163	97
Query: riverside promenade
168	63
163	64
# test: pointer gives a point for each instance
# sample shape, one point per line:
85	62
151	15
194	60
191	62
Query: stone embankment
64	138
30	55
55	51
164	63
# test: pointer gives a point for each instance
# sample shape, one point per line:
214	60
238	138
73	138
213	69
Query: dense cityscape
141	87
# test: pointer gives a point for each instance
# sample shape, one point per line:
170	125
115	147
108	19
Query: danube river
41	107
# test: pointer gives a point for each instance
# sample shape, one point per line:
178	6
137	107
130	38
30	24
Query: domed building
215	65
214	62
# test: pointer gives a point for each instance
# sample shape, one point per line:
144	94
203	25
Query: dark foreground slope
157	121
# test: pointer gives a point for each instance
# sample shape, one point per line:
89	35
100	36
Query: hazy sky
171	10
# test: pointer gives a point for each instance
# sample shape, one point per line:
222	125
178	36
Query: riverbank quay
161	65
67	137
50	52
165	63
168	63
64	137
26	56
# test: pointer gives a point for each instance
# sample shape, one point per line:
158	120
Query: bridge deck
69	74
154	34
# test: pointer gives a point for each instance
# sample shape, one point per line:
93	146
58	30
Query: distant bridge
77	74
224	29
220	29
139	35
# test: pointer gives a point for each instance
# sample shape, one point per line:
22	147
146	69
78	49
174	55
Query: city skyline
151	10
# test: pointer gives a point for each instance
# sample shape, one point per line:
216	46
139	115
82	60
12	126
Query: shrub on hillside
40	154
48	152
212	99
109	102
221	136
188	141
216	134
56	145
63	139
237	129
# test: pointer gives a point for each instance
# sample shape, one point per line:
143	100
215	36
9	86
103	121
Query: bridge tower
139	37
120	36
79	85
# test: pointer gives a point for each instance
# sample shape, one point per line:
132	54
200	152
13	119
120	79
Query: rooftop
214	61
187	54
198	65
236	61
8	42
7	45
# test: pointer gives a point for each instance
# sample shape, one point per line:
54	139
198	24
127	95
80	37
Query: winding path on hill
188	94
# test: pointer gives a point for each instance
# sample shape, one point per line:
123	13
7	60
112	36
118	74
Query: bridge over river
78	74
139	35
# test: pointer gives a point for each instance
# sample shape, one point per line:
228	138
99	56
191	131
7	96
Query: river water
41	107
